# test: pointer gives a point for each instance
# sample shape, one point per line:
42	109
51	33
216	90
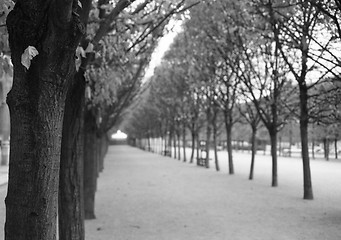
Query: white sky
162	47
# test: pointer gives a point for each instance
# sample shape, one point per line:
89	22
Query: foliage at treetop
124	52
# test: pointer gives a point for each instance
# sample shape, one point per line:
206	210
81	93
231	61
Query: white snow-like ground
146	196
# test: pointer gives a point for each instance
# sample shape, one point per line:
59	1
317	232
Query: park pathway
145	196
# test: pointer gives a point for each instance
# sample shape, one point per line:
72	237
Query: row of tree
76	66
263	62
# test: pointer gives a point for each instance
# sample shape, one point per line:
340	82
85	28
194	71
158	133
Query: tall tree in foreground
70	204
131	23
126	39
298	38
43	38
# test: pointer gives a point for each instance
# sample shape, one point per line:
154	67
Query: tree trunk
273	139
179	147
36	104
98	155
174	144
90	165
208	139
215	147
184	141
193	146
229	145
101	152
307	186
71	205
71	195
335	148
148	144
169	144
253	151
197	149
163	145
104	150
326	148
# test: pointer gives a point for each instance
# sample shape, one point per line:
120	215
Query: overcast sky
162	47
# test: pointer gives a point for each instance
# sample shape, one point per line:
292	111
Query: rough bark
73	129
71	198
36	104
71	205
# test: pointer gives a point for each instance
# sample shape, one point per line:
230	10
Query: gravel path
145	196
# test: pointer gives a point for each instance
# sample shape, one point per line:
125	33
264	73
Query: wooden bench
201	162
166	153
286	152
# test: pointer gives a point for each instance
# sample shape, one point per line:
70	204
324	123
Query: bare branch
106	24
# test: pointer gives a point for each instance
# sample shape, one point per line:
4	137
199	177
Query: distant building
118	138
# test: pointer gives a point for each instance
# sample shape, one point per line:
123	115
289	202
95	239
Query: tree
263	75
104	108
251	116
181	52
36	103
325	114
153	106
332	11
71	204
304	22
137	31
132	31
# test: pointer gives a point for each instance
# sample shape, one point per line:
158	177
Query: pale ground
145	196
